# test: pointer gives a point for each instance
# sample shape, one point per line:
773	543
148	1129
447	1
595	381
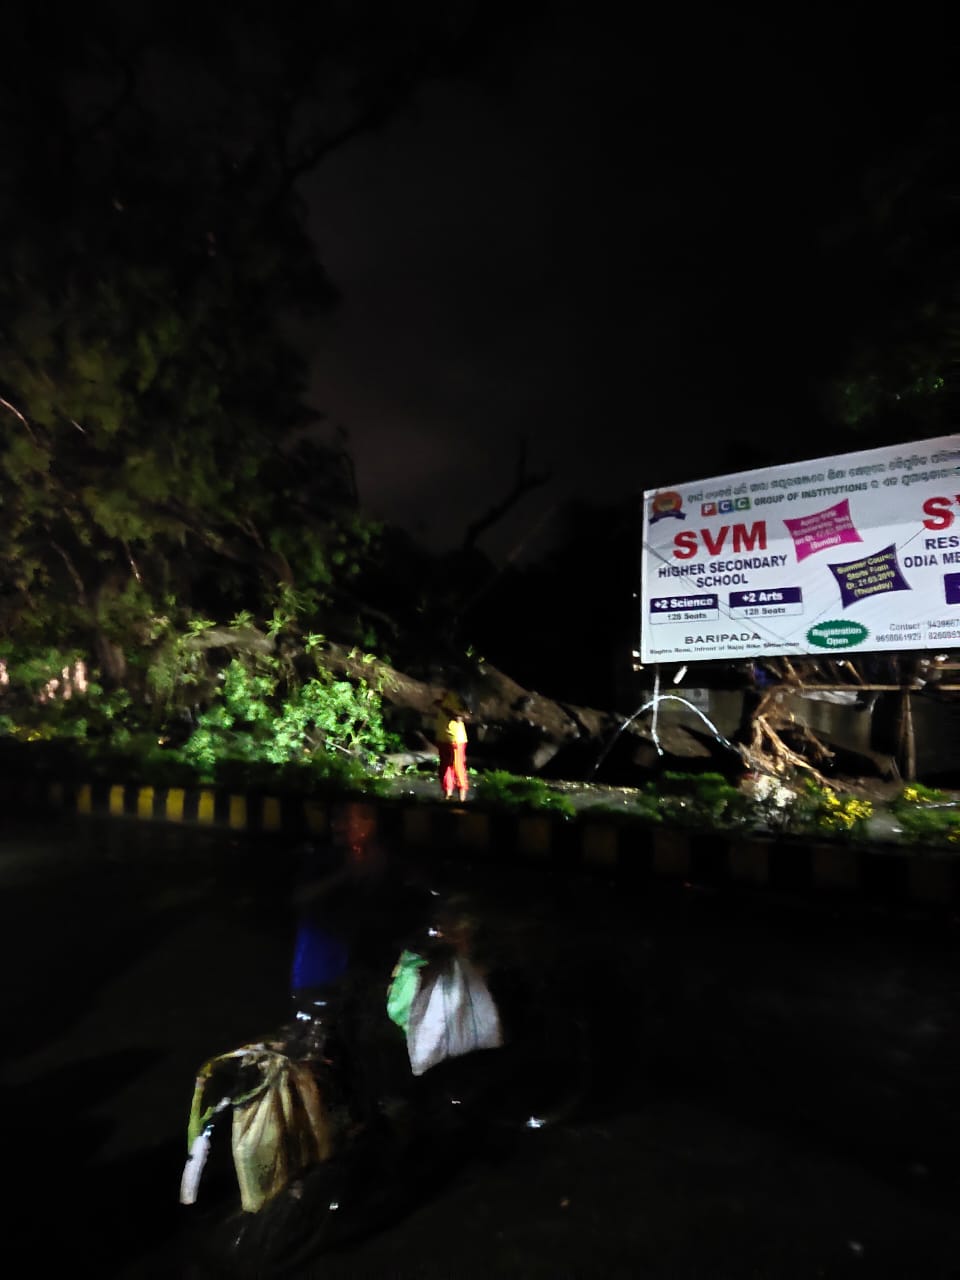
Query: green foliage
323	773
174	670
160	465
927	815
151	388
251	719
332	714
707	801
697	800
504	790
820	810
255	717
31	669
140	758
916	796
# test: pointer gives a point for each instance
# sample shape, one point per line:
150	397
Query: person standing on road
450	735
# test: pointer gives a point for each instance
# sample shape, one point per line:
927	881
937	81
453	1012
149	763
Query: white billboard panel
854	553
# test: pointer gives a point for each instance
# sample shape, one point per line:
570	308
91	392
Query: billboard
849	554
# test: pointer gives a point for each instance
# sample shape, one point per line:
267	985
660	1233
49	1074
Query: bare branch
17	414
524	482
133	563
247	639
72	570
246	525
851	667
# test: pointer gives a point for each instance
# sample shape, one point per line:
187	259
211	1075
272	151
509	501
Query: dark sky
610	245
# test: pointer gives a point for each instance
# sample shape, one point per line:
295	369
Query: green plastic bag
403	987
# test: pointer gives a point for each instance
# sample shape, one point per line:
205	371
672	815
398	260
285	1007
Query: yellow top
448	728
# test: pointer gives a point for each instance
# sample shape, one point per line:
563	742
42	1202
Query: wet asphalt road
768	1089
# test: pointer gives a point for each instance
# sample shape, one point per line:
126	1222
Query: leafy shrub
820	810
322	773
504	790
255	711
335	724
926	815
698	800
916	795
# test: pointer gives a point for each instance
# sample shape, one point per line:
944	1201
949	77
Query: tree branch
132	562
524	482
72	570
17	414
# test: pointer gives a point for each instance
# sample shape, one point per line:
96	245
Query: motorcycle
331	1134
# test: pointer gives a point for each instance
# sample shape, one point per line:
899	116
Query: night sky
615	242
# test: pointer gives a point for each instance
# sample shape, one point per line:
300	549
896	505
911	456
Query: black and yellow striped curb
626	852
189	806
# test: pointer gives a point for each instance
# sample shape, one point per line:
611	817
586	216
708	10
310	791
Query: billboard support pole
908	741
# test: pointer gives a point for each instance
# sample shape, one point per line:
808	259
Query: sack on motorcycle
452	1013
279	1126
279	1132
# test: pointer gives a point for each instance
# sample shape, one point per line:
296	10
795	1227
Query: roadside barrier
619	849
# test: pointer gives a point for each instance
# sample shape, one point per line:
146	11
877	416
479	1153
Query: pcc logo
724	506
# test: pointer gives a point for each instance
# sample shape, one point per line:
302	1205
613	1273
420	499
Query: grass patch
501	790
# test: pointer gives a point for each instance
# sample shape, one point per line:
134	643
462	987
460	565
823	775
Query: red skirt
453	766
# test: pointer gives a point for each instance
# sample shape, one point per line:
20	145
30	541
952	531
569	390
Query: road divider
617	848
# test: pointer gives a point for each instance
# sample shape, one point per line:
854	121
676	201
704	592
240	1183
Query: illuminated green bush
335	726
820	810
697	800
500	789
258	717
926	815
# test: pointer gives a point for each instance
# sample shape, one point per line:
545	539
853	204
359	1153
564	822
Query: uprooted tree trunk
765	749
767	720
515	728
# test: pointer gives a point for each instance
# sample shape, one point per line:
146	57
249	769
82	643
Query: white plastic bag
452	1013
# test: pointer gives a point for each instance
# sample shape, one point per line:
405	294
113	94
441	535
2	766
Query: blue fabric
319	958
